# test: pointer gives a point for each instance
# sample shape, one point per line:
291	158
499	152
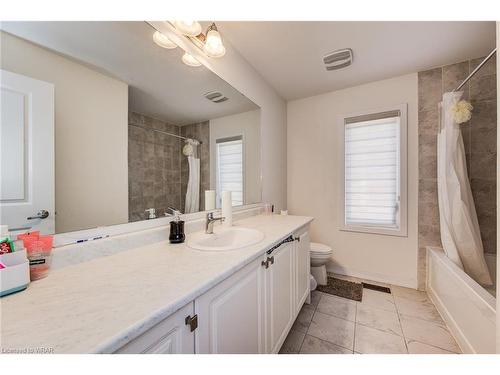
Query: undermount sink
224	239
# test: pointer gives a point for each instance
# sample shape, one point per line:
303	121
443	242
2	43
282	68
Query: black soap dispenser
177	229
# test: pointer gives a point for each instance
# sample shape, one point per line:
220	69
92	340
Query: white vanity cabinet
231	314
251	311
303	269
280	280
174	335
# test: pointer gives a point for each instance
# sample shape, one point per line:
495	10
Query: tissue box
16	275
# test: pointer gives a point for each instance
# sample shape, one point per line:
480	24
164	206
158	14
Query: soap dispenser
176	228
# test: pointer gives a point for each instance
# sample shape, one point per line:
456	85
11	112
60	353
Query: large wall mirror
101	126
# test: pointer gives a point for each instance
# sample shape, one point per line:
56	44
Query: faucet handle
210	215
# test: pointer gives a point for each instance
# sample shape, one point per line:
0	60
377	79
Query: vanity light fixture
188	28
210	42
213	46
190	60
163	41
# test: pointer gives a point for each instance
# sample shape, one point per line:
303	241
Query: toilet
320	254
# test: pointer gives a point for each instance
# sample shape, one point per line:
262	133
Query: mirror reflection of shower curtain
460	234
193	186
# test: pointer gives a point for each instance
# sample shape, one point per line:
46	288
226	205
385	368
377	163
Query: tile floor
402	322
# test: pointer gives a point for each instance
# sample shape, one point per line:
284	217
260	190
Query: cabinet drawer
171	336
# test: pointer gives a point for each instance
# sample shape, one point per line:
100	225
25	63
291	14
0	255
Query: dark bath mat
378	288
342	288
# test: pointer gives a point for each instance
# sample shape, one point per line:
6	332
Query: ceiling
160	85
289	55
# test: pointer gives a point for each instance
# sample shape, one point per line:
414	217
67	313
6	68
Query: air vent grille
215	97
338	59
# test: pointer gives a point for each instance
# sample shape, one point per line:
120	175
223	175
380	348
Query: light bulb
213	45
163	40
189	28
190	60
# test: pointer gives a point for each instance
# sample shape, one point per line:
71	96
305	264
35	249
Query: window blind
230	168
372	181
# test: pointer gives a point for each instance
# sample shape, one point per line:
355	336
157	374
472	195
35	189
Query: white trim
402	231
374	276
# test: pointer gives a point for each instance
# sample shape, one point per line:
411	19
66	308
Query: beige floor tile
415	347
387	321
379	300
340	307
313	345
304	318
292	343
372	341
411	294
315	297
422	310
330	328
428	332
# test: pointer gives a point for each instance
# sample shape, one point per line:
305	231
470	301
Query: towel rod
475	70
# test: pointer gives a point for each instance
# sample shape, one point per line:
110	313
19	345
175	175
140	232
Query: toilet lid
319	248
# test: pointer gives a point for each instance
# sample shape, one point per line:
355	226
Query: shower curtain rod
475	70
162	132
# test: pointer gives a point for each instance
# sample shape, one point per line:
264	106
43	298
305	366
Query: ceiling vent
338	59
215	96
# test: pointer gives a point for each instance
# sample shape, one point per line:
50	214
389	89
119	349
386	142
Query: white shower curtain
193	187
459	226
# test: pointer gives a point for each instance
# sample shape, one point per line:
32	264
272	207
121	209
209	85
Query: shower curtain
459	226
193	187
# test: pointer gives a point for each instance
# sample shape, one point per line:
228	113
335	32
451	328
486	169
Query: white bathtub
467	308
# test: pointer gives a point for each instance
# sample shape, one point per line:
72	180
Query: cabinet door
231	314
171	336
302	268
280	289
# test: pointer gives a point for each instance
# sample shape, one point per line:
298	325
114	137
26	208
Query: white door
26	153
171	336
231	315
280	289
302	267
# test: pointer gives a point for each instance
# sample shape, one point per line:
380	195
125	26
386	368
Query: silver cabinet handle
43	214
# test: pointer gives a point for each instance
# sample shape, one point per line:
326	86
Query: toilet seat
320	250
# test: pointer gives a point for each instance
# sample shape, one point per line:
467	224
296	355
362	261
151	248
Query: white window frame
402	229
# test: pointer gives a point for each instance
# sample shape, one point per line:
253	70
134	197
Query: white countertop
101	304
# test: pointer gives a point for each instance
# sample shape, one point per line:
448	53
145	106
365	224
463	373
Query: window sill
396	232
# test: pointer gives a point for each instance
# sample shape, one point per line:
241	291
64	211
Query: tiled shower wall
479	136
158	172
201	132
154	172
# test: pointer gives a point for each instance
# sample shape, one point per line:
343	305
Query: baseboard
408	283
456	332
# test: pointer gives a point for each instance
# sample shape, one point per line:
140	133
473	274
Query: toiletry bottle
176	229
6	244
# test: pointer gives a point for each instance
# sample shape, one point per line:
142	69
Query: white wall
313	172
91	135
235	70
246	124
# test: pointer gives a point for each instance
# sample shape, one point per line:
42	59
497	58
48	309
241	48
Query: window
374	172
229	176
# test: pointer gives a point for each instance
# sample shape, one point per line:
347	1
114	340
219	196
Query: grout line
355	324
401	326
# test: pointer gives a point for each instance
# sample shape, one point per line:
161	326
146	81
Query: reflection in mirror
102	126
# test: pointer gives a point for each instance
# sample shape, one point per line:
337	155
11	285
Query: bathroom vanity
163	298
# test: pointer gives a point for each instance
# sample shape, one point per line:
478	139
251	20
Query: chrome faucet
209	225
